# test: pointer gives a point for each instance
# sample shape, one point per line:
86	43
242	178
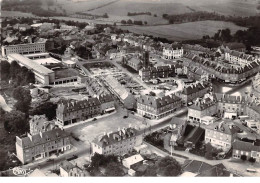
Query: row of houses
69	112
42	145
222	71
226	106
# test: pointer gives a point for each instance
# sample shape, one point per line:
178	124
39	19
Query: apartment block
42	145
155	108
119	142
69	112
30	48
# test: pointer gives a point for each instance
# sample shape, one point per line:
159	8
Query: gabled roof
115	137
195	166
42	138
70	106
156	102
245	146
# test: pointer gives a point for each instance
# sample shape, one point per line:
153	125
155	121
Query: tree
123	22
5	69
168	166
243	157
15	121
47	108
252	160
23	98
150	171
145	22
14	68
105	15
155	15
209	149
129	21
113	169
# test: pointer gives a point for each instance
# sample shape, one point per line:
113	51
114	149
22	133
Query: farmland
185	31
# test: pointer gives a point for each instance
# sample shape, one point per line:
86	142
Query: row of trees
249	37
135	22
138	13
19	75
201	15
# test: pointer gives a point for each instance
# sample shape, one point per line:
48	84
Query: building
240	58
193	91
172	52
155	108
94	87
223	70
221	135
249	149
30	48
165	71
134	63
40	123
132	160
107	103
120	92
67	169
42	74
202	107
256	85
119	142
42	145
234	106
69	112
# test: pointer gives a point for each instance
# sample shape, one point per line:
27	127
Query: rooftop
30	63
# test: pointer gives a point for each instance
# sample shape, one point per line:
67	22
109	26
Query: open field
15	14
185	31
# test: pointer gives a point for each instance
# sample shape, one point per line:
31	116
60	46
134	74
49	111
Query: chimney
30	136
41	134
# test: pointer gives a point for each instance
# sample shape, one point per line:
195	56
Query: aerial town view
130	88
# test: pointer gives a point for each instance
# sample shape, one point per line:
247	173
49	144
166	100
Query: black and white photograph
129	89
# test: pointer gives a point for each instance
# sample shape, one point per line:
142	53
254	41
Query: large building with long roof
42	74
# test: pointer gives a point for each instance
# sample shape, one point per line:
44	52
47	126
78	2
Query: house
201	108
107	103
238	57
132	160
249	149
67	169
156	108
42	145
193	91
153	72
221	134
172	52
69	112
134	63
175	132
40	123
119	142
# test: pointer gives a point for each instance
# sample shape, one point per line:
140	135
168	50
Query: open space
64	73
184	31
